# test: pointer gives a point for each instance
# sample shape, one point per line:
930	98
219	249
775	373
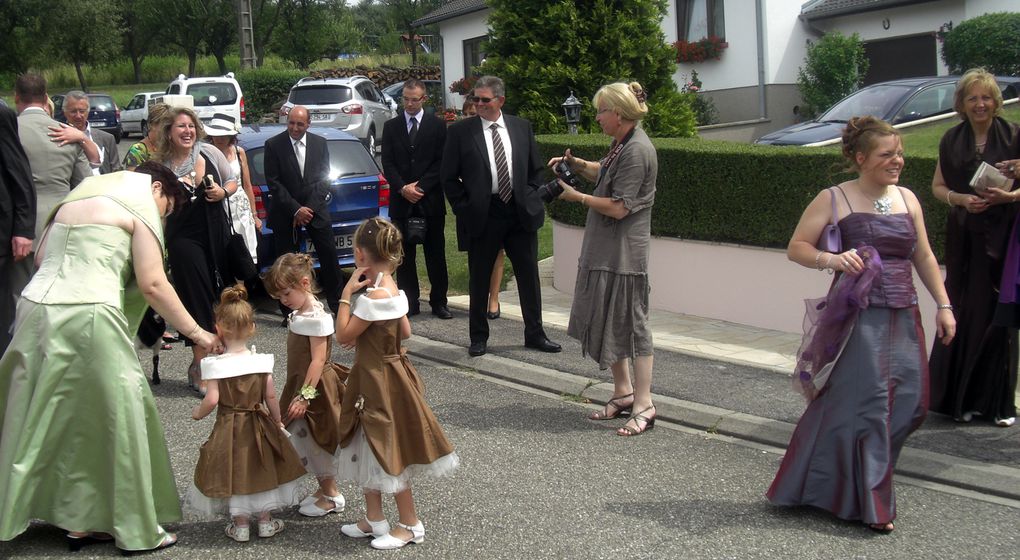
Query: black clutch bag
417	227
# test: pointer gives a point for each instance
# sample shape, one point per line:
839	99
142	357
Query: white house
753	84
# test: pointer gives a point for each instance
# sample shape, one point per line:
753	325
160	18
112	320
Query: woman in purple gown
862	365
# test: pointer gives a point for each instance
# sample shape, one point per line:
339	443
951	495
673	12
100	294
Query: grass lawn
456	261
121	94
925	139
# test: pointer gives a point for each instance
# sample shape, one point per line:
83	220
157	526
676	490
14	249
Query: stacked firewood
382	76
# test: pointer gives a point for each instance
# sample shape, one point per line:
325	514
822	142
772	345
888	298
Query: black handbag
417	227
239	261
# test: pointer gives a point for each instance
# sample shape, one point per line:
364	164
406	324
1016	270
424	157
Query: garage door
904	57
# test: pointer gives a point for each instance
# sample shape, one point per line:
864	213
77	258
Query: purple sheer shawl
828	322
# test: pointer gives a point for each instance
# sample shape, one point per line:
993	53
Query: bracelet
307	392
827	261
344	301
949	197
584	200
194	331
817	257
948	306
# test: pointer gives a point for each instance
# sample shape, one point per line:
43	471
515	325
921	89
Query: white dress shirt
300	150
504	135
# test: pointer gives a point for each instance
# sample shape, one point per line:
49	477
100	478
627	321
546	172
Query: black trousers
434	249
503	230
320	233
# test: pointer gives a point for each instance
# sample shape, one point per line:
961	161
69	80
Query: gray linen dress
609	315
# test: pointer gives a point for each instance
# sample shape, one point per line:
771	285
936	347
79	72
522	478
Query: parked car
103	113
433	88
896	101
212	95
134	117
352	104
358	190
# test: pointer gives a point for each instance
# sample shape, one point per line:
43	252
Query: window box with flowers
706	48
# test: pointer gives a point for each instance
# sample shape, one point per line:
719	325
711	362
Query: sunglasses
477	99
414	99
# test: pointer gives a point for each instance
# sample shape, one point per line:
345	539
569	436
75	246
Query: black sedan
896	101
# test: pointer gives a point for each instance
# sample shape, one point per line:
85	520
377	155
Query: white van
211	95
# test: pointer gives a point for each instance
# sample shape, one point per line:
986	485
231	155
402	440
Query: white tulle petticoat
315	459
357	462
248	505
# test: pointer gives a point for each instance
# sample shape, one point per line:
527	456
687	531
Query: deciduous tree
543	49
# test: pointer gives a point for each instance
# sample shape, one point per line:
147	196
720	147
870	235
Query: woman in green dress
81	444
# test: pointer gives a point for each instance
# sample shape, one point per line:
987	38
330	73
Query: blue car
358	191
103	113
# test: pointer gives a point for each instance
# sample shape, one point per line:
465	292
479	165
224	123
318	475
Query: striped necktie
503	172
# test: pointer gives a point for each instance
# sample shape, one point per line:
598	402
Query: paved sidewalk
695	336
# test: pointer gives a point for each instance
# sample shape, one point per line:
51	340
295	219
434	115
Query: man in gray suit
56	167
76	111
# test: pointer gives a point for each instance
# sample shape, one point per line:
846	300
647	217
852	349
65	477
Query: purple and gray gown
845	446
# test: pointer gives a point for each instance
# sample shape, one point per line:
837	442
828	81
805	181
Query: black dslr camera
552	189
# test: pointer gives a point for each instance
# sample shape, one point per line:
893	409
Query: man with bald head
297	172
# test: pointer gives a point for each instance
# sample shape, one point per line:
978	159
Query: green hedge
739	193
265	88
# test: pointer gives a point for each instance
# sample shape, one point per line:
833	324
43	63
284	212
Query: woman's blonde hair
381	240
157	113
981	78
164	145
234	315
287	272
627	100
860	136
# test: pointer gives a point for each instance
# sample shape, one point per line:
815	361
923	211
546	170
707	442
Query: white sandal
239	534
313	510
379	528
389	542
269	528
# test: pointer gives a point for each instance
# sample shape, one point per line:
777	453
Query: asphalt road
539	481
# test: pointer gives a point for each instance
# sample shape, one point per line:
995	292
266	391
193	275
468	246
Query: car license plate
321	116
98	124
339	241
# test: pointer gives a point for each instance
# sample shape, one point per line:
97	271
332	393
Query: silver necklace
883	205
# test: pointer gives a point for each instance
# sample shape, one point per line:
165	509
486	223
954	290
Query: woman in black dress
976	375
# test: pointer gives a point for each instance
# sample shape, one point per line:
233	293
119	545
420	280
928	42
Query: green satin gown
81	445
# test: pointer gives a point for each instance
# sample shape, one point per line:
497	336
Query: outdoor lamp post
572	108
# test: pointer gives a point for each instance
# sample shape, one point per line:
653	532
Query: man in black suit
297	172
411	156
491	168
17	215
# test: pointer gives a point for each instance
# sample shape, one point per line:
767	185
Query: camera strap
616	151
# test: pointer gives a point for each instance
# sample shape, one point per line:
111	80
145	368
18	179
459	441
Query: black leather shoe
413	311
476	349
543	344
493	315
442	311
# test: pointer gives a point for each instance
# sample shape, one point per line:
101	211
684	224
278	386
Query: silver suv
353	104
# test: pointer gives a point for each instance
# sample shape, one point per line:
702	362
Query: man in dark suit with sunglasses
491	168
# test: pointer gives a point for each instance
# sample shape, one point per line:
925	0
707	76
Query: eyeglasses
414	99
477	99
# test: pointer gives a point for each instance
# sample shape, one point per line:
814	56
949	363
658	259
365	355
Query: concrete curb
918	463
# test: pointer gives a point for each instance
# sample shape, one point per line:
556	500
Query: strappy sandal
638	429
618	407
239	534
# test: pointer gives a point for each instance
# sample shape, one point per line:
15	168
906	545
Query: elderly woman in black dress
976	375
609	314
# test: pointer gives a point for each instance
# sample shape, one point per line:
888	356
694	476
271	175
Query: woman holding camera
196	236
609	314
